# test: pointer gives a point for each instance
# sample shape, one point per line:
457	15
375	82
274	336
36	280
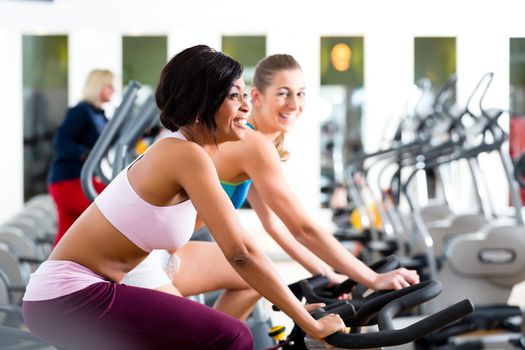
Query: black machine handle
393	337
381	308
415	296
315	289
315	282
343	308
313	296
384	265
297	289
378	306
371	307
387	335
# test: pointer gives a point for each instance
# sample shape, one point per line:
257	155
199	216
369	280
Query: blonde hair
96	80
263	77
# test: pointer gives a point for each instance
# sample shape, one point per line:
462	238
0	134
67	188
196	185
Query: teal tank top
237	191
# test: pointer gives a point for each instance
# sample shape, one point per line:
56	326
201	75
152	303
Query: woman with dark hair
74	299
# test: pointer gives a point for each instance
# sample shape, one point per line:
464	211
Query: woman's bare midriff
94	243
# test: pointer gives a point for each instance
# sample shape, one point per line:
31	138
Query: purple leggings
114	316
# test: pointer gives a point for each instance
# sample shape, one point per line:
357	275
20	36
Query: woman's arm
278	231
199	179
74	124
263	166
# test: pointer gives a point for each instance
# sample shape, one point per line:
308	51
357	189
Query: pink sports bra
146	225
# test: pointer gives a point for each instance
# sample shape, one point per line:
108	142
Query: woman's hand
314	306
396	279
328	325
335	278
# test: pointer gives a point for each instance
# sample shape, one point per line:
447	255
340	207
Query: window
342	90
45	74
248	50
435	60
143	58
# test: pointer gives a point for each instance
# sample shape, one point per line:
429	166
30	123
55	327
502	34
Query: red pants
70	202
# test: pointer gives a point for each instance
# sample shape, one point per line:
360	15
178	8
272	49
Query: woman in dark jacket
74	139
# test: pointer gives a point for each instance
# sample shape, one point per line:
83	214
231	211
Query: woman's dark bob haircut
193	85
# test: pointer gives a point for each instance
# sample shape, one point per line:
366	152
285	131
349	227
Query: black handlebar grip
316	281
414	298
311	296
370	306
384	265
343	308
297	289
402	336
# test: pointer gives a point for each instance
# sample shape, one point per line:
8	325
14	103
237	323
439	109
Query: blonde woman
74	139
251	169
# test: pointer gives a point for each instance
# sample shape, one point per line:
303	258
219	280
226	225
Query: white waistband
56	278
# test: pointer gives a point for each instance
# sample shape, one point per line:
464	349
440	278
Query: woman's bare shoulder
258	145
177	157
172	147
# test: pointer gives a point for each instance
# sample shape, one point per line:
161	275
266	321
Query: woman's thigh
204	268
173	322
133	318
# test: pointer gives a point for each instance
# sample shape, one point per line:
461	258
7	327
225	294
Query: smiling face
281	103
231	117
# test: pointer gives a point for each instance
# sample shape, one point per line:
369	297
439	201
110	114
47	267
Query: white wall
11	173
95	28
91	48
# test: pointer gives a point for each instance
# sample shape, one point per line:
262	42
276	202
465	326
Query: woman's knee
231	334
243	338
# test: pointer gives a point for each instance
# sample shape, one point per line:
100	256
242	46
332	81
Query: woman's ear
256	97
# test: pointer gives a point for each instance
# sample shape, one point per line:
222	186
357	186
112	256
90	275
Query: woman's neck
201	136
97	104
255	120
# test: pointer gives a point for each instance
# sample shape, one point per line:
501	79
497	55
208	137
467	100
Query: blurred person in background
80	129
